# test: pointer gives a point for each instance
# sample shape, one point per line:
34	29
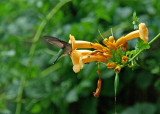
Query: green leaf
116	83
100	14
72	96
130	54
142	45
157	83
141	108
143	80
36	108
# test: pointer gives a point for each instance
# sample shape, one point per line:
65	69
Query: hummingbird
65	47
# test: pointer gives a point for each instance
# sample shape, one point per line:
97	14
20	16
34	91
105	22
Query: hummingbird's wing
56	42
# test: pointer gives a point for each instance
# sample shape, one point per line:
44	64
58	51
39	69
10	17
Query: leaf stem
143	49
136	55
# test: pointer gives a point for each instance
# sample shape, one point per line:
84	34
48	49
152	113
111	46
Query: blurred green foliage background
30	84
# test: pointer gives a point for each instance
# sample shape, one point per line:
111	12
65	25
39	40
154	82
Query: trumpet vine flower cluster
112	53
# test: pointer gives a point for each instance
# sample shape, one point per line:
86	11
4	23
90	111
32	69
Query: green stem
32	50
143	49
136	55
154	39
19	97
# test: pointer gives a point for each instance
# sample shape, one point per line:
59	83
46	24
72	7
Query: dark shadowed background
30	84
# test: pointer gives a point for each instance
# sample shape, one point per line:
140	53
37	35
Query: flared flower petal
76	60
142	33
79	57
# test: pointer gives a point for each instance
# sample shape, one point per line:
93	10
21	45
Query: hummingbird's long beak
59	55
